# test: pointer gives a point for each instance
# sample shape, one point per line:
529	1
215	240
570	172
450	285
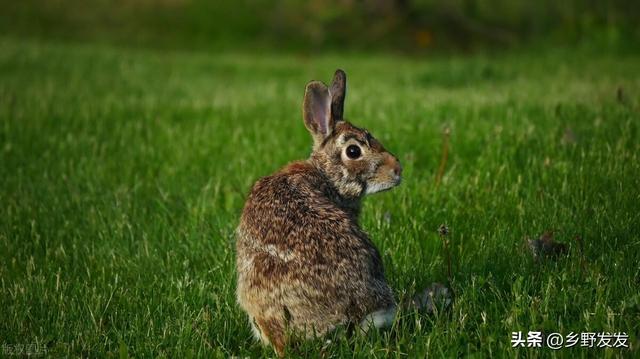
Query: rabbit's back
302	260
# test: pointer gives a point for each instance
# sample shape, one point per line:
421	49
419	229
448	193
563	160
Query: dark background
407	26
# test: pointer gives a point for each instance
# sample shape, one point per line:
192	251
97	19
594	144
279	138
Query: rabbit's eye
353	152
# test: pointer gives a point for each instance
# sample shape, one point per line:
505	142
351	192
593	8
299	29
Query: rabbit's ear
338	93
316	111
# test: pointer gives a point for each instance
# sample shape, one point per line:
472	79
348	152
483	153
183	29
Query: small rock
435	297
546	246
387	217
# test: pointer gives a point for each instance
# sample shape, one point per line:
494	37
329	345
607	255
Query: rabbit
304	265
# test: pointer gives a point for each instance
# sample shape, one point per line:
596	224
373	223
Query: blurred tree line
405	25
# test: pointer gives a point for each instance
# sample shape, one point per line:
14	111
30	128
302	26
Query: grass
124	172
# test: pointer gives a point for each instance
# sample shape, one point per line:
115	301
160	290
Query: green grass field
124	173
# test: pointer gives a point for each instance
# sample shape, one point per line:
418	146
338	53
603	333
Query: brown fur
304	265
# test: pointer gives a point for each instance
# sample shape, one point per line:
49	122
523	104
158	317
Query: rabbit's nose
392	164
397	168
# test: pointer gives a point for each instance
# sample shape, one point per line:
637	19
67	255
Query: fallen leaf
569	137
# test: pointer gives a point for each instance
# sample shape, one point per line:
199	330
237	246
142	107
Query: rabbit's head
351	158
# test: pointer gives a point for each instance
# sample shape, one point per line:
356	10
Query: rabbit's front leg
272	331
381	318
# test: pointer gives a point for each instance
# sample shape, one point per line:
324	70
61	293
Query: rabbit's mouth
375	187
386	176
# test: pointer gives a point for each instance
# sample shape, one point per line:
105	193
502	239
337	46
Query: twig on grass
583	260
445	155
443	231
